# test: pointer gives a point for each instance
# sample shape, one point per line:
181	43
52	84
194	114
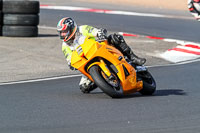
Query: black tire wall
0	30
1	18
20	31
20	18
21	7
0	5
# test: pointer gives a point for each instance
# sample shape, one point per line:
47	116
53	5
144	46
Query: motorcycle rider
194	7
73	35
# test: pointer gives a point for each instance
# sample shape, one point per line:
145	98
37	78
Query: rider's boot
86	85
119	42
135	59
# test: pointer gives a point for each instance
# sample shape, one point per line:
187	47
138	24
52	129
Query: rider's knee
115	39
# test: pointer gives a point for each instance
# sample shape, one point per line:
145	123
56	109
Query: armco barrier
20	18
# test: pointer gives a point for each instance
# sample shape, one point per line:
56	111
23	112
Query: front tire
101	82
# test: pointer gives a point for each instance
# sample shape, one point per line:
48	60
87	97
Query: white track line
128	13
78	75
39	80
83	9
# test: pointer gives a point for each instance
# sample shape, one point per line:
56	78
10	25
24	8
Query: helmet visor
64	34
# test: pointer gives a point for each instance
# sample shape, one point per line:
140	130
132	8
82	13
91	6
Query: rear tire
149	84
99	80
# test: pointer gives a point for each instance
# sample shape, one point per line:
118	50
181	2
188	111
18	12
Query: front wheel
111	87
149	84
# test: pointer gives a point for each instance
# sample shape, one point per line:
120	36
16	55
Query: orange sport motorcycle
110	70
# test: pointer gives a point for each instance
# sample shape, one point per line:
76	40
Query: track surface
58	105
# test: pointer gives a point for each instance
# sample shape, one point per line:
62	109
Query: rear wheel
149	84
111	86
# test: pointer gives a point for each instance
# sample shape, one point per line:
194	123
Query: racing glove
101	35
71	67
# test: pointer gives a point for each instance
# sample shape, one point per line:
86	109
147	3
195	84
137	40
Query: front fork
103	67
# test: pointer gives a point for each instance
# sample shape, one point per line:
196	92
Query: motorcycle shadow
163	92
168	92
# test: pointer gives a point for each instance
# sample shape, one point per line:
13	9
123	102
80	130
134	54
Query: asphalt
58	106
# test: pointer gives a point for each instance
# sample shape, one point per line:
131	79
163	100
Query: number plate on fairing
79	50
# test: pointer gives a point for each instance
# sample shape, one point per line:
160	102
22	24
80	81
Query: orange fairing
94	53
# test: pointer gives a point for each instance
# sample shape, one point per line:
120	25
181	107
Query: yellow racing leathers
86	85
82	32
